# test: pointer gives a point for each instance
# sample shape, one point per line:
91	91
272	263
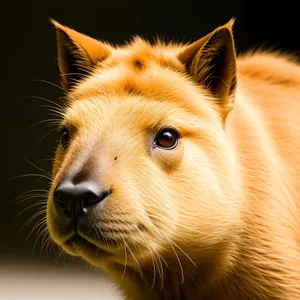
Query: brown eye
167	139
65	137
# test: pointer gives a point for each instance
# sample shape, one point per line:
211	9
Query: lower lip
80	244
78	240
84	248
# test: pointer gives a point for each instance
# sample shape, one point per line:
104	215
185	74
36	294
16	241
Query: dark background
28	53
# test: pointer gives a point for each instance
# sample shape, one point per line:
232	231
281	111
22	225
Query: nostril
90	200
59	198
104	195
93	199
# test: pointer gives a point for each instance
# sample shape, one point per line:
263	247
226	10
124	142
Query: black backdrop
28	52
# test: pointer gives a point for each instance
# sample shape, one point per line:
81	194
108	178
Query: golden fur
218	217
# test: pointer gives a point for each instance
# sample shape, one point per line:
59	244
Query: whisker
171	242
45	159
179	262
161	267
42	138
31	175
37	225
32	196
60	255
47	174
99	234
26	224
81	68
189	258
27	193
48	244
27	208
45	223
156	263
43	99
133	256
37	239
45	243
52	122
154	254
72	74
51	83
125	251
54	109
180	225
154	269
34	165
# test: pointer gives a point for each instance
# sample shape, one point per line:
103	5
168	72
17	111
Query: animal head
143	164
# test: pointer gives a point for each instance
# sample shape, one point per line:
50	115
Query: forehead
139	80
110	114
136	68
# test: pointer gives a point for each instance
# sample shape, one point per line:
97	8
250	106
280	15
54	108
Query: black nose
76	199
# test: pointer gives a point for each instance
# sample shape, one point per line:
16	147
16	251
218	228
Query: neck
170	279
159	284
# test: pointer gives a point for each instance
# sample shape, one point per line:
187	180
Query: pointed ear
211	61
77	54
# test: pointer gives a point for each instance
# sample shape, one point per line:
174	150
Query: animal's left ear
211	61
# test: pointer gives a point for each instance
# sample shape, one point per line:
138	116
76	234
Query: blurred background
29	75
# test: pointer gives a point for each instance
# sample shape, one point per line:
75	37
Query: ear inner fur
77	54
211	61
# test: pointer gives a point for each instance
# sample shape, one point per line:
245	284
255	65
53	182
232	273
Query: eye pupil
167	138
65	137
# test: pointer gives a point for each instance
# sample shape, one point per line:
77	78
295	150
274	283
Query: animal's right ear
77	54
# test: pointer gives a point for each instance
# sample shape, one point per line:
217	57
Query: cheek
125	201
206	197
51	224
57	162
158	201
168	160
146	195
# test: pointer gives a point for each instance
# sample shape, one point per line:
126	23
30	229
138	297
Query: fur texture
218	217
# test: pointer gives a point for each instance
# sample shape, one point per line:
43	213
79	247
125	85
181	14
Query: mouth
81	246
76	239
